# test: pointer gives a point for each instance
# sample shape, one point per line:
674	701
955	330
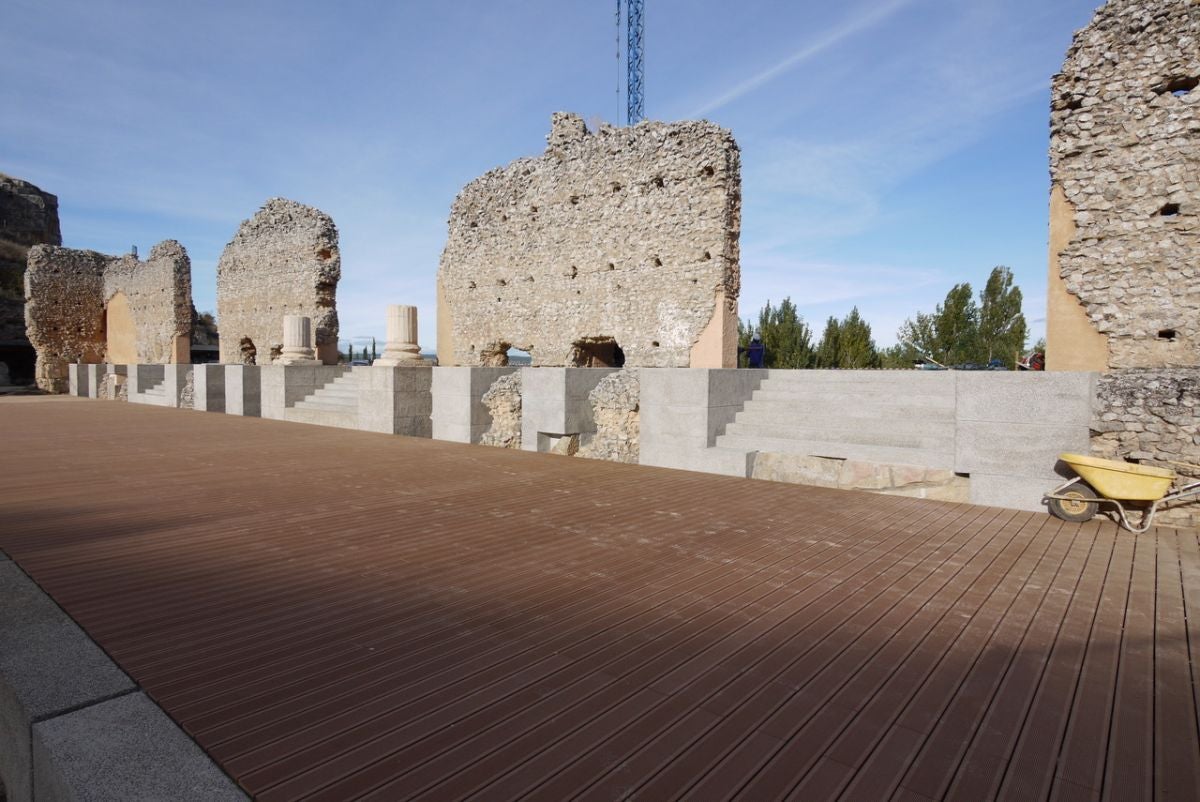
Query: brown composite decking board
337	615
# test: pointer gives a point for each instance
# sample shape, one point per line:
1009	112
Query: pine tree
827	350
856	348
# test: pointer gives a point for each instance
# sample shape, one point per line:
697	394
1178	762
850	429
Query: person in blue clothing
755	352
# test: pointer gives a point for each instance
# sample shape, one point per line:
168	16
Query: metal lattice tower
635	110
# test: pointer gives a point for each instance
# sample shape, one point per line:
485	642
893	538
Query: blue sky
890	148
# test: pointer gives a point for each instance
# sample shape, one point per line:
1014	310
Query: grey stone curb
73	726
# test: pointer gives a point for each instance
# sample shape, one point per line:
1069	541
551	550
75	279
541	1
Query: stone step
927	457
901	434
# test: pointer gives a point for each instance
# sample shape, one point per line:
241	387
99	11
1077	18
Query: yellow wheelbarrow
1106	481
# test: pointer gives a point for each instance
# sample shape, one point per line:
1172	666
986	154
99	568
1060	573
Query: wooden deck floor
336	615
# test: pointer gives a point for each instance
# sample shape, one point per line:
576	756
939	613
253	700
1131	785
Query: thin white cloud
827	40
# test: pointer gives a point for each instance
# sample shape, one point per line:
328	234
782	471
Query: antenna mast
635	110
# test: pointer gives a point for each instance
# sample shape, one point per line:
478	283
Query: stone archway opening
596	352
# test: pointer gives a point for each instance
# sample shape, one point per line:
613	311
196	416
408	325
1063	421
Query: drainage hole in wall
657	262
611	266
654	343
1169	210
658	182
1167	334
708	171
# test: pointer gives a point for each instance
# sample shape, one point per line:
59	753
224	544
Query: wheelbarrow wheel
1079	507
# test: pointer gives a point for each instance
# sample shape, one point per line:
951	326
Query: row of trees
960	331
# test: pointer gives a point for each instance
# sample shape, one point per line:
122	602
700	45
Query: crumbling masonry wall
283	261
503	401
1151	417
620	238
28	217
84	306
1125	201
615	409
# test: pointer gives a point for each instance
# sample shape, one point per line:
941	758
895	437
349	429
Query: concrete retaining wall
459	414
683	412
554	403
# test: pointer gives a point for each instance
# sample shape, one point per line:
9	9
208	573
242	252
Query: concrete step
889	378
901	434
926	457
338	417
870	396
826	408
323	405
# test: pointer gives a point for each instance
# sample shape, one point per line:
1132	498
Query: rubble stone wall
28	217
624	237
159	294
1151	417
616	411
68	294
1125	171
283	261
503	400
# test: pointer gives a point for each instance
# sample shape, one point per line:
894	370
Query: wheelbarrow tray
1121	480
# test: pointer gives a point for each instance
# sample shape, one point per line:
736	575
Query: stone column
297	341
401	349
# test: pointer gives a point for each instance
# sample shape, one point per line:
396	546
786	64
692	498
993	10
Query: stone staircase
850	415
335	404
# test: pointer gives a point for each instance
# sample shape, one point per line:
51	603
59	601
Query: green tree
785	336
1002	327
956	327
826	355
856	347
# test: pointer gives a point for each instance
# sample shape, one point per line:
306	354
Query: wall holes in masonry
708	171
1178	86
247	351
706	256
657	262
1169	210
574	200
654	343
470	285
616	187
658	182
611	266
1167	334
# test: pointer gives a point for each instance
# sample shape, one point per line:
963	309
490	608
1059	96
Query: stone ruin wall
1124	294
28	217
84	306
1153	417
283	261
616	409
503	401
625	235
1125	206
